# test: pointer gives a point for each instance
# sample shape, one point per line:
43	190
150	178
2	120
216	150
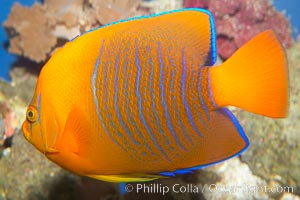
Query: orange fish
137	99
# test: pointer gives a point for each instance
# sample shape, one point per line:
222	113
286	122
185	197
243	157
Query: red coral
195	3
237	21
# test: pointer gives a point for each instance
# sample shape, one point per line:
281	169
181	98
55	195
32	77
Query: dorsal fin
191	28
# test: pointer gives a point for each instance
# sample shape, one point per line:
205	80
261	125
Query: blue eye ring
32	114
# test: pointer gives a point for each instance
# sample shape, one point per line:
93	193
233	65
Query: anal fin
126	178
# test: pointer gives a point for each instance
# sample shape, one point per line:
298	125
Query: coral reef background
238	21
272	160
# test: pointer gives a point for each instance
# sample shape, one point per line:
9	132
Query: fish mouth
33	134
26	130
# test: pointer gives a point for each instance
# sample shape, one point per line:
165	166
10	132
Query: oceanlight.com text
158	188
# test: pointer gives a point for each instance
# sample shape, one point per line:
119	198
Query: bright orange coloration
258	69
137	100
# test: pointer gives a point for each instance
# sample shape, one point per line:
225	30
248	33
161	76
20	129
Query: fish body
138	99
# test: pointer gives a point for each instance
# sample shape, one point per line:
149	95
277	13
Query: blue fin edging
191	169
211	19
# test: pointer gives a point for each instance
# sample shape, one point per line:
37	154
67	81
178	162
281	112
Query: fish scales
139	99
165	107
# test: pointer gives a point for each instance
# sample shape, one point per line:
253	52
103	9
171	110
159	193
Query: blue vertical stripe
186	105
39	107
176	109
194	99
116	86
204	107
153	97
131	121
161	66
174	103
39	119
137	62
154	111
107	111
96	102
210	91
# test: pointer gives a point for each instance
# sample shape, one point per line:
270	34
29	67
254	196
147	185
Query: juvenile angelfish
139	99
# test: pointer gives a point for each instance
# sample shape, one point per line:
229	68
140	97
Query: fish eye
31	114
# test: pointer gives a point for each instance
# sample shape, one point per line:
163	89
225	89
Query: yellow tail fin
255	78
